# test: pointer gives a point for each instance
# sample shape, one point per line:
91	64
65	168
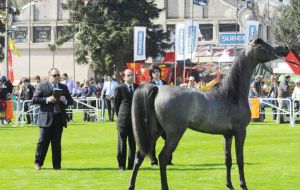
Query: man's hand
51	99
62	99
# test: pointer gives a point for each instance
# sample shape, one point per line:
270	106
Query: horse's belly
212	128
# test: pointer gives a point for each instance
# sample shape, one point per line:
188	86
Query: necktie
130	89
57	104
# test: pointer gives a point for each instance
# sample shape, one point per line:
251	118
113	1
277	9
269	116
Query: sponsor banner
186	40
200	2
232	38
251	30
180	41
139	43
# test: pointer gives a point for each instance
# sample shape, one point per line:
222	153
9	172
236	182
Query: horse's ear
256	41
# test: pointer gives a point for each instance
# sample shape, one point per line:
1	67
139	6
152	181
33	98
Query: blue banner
232	38
200	2
139	43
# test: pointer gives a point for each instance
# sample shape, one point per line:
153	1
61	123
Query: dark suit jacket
44	90
123	101
153	82
27	92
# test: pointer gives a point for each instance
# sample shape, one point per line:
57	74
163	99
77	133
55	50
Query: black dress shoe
57	168
170	163
154	162
37	167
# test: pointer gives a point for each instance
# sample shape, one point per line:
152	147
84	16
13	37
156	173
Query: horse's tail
144	120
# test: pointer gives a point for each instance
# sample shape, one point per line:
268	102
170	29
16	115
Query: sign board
232	38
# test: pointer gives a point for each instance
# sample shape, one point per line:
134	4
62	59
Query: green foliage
288	25
103	31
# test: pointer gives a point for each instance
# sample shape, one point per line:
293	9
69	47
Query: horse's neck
238	81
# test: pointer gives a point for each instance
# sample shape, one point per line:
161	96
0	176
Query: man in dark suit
155	75
123	100
53	98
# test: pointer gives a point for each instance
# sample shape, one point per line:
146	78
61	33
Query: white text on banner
139	43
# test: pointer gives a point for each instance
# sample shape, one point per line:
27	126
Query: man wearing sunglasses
123	100
53	97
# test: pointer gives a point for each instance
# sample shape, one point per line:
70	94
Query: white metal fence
290	113
88	105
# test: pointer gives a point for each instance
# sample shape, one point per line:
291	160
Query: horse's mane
229	88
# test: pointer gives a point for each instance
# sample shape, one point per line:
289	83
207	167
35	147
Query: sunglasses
56	75
129	75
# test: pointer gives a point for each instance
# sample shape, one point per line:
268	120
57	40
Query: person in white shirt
296	94
71	88
108	91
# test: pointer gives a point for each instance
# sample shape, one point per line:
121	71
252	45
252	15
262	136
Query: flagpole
192	30
134	71
5	64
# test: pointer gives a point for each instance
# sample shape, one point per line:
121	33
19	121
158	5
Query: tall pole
29	42
268	24
5	63
74	58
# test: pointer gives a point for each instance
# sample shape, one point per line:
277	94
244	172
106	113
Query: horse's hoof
230	186
244	187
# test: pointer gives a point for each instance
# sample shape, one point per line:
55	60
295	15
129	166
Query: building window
41	34
187	12
172	9
206	31
60	30
19	35
229	27
205	11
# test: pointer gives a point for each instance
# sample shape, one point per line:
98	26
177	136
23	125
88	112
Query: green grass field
272	156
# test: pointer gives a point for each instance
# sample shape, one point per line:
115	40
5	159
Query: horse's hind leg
239	148
228	159
137	163
164	157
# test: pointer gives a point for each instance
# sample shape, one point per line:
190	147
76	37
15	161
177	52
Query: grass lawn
272	154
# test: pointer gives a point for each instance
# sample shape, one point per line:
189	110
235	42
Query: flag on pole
139	43
251	30
192	34
200	2
10	68
180	41
13	47
186	40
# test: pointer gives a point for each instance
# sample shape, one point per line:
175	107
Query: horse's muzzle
281	51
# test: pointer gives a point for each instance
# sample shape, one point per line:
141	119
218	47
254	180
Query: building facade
34	30
41	22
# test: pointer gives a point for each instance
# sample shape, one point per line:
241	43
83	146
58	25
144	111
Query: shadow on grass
214	164
84	169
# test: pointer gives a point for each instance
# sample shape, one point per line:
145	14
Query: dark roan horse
222	110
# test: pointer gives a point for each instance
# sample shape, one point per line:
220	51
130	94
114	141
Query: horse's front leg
137	163
228	159
239	148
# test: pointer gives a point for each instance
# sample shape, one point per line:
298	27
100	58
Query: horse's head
263	52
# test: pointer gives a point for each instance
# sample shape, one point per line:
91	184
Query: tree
104	30
52	48
288	25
